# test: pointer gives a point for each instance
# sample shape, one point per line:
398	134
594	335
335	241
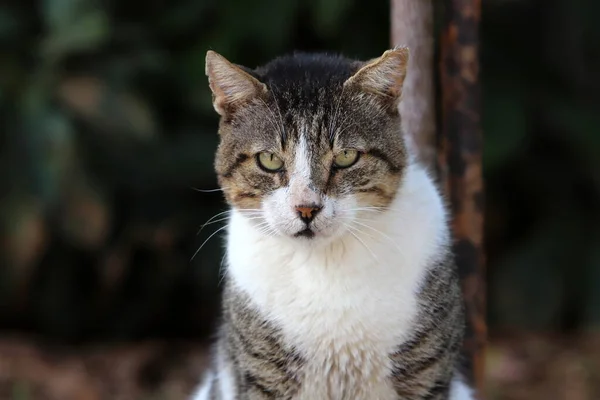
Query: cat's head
309	142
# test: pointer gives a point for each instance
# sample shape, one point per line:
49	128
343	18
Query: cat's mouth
306	233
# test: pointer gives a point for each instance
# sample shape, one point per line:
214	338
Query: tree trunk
460	167
412	26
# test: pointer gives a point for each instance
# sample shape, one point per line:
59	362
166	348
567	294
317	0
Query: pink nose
307	213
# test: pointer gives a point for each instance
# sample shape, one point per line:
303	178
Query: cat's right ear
231	86
384	76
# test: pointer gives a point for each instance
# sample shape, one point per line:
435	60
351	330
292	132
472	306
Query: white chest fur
346	306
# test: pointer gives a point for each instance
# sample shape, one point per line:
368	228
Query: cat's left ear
232	87
383	76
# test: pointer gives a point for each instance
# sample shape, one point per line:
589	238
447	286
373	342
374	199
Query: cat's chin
308	241
313	238
306	233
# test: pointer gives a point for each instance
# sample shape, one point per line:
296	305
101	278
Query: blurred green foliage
107	127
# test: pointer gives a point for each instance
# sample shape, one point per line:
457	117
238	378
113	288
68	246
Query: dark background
107	127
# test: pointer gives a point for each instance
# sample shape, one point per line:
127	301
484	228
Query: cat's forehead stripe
302	167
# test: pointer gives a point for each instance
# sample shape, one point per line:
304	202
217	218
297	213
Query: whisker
267	231
207	190
250	214
350	230
203	243
214	222
379	232
251	218
383	234
357	229
210	219
368	209
265	228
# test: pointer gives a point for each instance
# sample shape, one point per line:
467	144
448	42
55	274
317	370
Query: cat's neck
402	240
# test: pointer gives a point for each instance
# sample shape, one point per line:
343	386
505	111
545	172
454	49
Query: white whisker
385	236
350	230
208	222
207	190
373	209
202	245
249	218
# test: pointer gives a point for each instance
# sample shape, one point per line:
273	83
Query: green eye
269	162
346	159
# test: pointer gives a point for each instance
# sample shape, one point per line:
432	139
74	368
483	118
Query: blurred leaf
110	110
49	140
58	13
88	31
86	216
25	234
82	94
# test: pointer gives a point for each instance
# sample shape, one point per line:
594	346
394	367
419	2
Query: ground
519	367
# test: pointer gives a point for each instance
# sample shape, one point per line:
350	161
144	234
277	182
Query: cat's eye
269	161
346	158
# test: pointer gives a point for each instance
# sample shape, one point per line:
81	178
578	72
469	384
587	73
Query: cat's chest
326	304
327	309
347	363
345	348
336	320
356	375
343	325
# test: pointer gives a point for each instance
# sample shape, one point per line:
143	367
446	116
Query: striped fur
427	361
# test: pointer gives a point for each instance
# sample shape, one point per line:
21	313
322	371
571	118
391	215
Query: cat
339	283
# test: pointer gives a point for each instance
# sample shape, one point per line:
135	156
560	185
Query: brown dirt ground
518	367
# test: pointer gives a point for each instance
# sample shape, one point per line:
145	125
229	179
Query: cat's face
309	144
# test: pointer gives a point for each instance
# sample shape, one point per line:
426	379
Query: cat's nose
308	213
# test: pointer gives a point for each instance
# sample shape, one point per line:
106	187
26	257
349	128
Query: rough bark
459	162
412	26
